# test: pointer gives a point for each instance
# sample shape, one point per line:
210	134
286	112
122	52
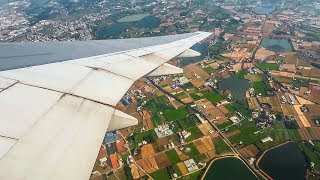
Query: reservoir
112	30
229	168
201	48
149	22
277	44
238	87
284	162
263	9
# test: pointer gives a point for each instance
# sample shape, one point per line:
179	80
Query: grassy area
193	150
187	122
173	156
213	96
156	105
195	133
221	147
176	169
182	95
195	97
243	108
224	125
194	176
161	174
268	66
230	108
247	137
313	157
253	77
149	136
241	74
208	69
317	145
176	114
260	87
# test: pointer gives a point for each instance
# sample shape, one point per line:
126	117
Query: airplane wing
57	99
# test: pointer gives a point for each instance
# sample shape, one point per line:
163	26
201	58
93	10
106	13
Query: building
191	165
267	139
234	119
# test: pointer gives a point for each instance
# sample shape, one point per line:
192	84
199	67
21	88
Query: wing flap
103	86
21	106
53	117
62	144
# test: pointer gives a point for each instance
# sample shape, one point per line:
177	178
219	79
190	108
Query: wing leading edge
53	117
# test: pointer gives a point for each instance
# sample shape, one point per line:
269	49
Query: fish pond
229	168
285	162
277	44
263	9
236	85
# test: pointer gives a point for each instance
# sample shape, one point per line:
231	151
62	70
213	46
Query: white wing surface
53	116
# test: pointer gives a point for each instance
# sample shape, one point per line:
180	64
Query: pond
133	18
149	22
284	162
229	168
277	44
238	87
263	9
201	48
112	30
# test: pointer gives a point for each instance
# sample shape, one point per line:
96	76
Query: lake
285	162
263	9
201	48
229	169
112	30
238	87
277	44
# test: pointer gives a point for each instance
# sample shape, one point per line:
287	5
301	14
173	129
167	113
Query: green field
149	136
312	155
246	136
224	125
221	147
193	150
161	174
195	97
186	122
213	96
156	105
194	176
260	87
195	133
173	156
176	114
268	66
